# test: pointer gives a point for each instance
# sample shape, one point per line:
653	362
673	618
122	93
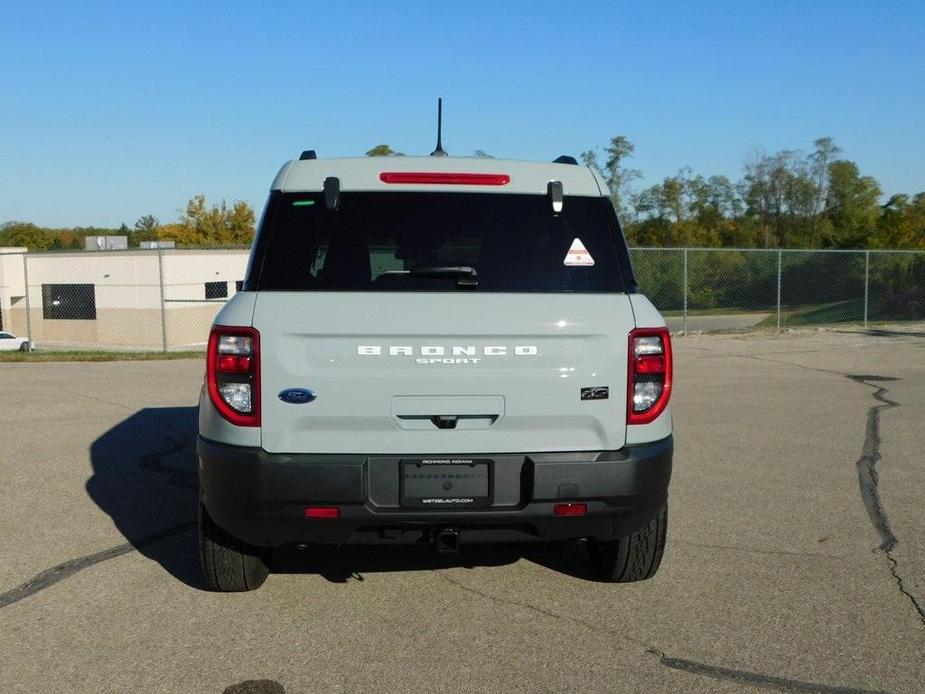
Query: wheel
634	557
228	564
24	347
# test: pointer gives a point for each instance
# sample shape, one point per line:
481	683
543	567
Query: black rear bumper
261	497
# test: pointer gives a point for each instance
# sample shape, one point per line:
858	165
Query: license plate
446	483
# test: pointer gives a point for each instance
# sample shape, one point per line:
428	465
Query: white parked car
10	343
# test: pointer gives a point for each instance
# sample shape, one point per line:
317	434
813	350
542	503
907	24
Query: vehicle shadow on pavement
352	563
144	478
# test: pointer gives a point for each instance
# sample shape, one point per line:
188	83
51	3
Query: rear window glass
381	242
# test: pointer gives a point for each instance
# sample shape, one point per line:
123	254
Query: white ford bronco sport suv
435	350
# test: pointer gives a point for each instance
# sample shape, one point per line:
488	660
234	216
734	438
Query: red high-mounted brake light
233	374
437	177
648	374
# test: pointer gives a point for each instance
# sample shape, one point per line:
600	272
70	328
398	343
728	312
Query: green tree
779	194
893	227
851	205
26	234
147	223
146	229
383	151
824	154
218	225
619	179
589	158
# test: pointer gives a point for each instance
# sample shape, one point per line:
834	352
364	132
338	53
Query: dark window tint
69	302
514	242
238	285
216	290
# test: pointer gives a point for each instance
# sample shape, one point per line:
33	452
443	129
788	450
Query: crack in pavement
153	462
868	478
59	572
96	399
681	664
546	613
755	679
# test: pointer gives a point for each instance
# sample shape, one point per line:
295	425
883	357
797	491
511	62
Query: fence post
866	282
25	273
685	291
779	252
160	271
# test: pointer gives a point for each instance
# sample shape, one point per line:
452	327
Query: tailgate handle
449	421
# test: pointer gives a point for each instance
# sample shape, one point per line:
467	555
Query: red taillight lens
233	374
437	177
230	364
570	509
322	512
650	365
649	374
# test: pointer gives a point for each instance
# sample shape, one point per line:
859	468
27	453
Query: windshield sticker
578	255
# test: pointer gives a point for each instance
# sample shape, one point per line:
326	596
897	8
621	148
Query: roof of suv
363	174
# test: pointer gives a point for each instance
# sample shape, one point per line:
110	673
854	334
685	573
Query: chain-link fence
157	299
166	299
727	289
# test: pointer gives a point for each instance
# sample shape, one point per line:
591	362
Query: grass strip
46	356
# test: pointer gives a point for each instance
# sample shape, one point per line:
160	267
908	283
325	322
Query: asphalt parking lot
795	559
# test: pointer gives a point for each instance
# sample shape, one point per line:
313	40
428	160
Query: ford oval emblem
297	396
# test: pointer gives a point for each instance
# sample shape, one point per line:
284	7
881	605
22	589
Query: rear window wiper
466	276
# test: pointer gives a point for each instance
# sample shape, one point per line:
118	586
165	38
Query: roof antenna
439	152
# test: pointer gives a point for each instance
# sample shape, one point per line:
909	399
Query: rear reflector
322	512
570	509
436	177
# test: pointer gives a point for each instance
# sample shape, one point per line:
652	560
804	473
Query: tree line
198	225
789	199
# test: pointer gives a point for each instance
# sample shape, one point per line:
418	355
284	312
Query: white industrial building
132	299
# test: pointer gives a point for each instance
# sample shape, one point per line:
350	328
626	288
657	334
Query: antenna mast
439	152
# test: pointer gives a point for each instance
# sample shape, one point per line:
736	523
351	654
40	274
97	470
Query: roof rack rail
565	159
308	154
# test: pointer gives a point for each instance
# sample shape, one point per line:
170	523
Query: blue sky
115	110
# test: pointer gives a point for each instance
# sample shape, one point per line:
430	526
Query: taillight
233	374
649	374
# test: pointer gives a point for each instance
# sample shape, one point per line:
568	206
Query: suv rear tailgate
502	371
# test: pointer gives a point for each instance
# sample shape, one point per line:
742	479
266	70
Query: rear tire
25	346
228	564
634	557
